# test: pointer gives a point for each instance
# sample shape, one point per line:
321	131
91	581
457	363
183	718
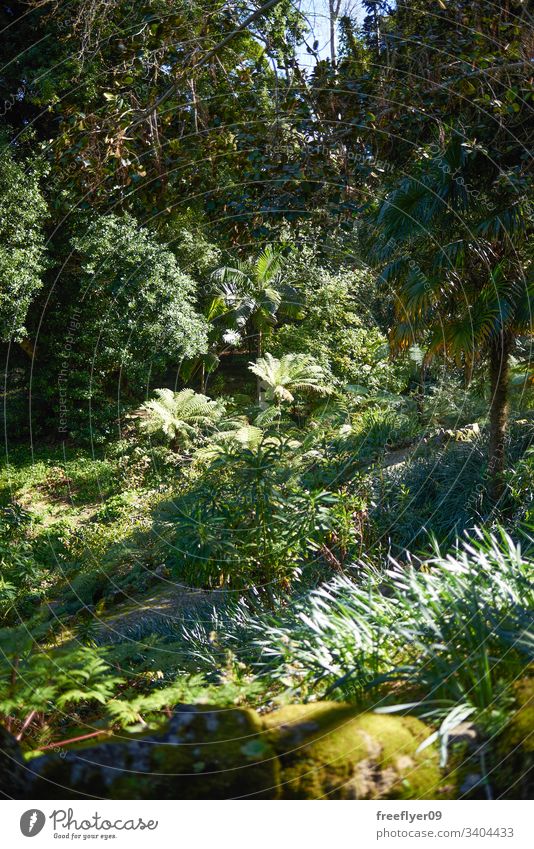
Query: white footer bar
240	825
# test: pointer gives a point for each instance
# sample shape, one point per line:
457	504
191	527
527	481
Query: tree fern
293	373
182	417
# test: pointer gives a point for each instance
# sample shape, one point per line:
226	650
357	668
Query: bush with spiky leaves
249	519
455	631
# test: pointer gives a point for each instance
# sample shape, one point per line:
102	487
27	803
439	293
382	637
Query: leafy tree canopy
23	212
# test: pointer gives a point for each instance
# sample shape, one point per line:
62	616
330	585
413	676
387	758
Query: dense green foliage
266	328
22	243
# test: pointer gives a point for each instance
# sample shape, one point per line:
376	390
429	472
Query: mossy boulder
316	751
329	751
513	770
203	753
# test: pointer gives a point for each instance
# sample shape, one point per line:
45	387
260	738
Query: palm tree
250	295
182	417
456	260
281	378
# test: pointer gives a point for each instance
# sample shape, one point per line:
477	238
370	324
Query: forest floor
77	509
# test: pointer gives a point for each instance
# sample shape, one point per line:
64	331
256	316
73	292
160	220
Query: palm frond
227	276
504	222
268	265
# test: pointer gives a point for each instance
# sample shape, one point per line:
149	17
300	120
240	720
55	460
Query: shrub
458	630
123	314
340	328
22	242
248	520
441	494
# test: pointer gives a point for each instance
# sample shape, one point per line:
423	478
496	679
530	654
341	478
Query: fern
181	417
293	373
57	679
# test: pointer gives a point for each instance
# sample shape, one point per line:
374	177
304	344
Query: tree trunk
468	371
332	22
499	374
258	381
420	398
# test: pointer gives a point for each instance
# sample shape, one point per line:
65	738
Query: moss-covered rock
329	751
512	772
325	750
204	753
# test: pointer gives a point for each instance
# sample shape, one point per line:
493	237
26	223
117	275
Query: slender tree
457	260
250	296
